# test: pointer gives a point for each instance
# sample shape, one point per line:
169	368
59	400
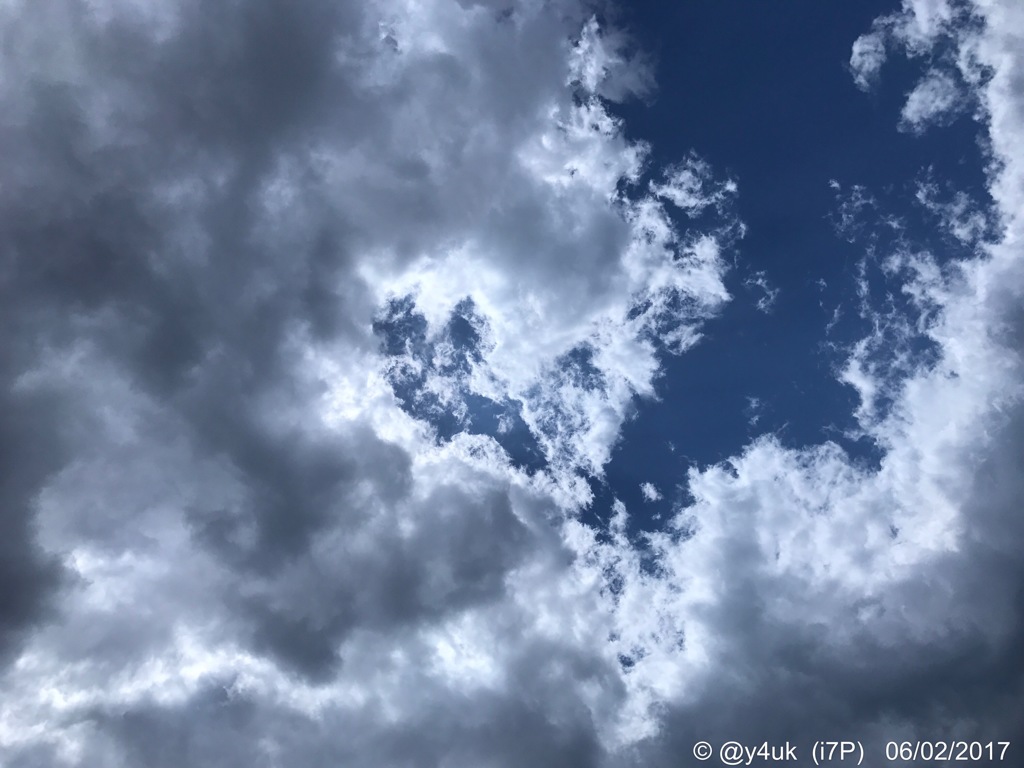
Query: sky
498	383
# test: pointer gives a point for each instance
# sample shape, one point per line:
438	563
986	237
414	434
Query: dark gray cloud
176	241
90	262
30	451
136	233
221	726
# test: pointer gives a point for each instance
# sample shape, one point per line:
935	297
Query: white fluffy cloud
650	492
803	591
934	98
867	58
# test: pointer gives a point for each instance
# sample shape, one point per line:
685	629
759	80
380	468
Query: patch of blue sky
417	360
763	91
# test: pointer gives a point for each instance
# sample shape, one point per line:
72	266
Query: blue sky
502	382
766	95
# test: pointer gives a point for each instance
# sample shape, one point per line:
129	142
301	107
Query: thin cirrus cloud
319	320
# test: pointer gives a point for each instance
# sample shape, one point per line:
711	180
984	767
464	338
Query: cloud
935	98
915	29
759	280
956	212
264	286
753	410
650	492
236	512
804	591
690	186
867	57
851	209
